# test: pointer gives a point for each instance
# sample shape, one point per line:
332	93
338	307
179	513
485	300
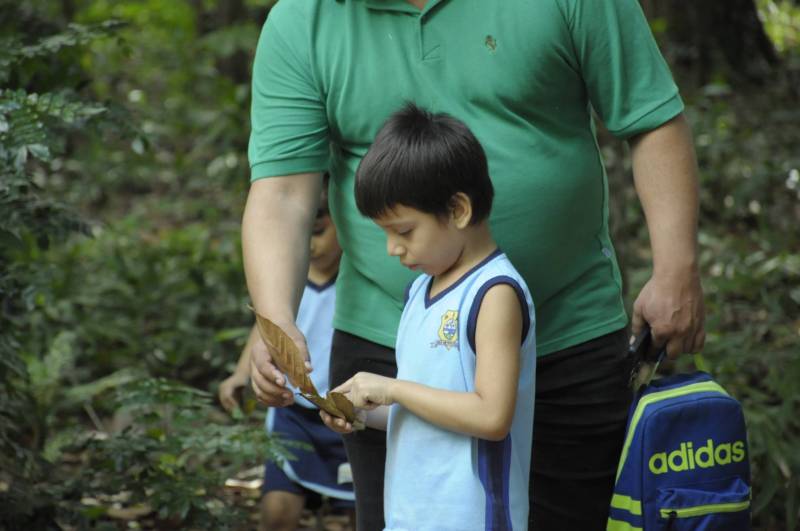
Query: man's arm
276	230
665	175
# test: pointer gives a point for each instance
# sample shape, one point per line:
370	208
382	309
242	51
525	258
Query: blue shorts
321	470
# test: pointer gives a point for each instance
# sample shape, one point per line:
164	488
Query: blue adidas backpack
685	461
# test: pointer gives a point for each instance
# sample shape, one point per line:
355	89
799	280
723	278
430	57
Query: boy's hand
228	389
269	383
368	391
340	425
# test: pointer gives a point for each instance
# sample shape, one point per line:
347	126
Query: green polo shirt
524	76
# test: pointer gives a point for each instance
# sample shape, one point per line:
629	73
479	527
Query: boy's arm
486	412
240	376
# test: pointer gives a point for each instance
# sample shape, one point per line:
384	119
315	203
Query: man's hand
673	307
228	389
269	383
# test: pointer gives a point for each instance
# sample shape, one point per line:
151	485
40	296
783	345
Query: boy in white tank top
322	469
459	415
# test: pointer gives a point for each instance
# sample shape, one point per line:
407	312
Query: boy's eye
404	232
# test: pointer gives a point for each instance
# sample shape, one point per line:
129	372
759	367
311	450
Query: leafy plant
171	462
33	127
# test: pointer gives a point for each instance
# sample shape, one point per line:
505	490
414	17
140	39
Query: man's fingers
674	349
261	364
699	341
268	392
688	342
637	320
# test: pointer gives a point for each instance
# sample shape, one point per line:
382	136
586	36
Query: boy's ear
461	210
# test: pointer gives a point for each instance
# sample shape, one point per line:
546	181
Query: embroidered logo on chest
448	331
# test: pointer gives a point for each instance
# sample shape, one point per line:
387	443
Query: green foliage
782	23
171	459
122	301
751	253
33	126
158	301
151	292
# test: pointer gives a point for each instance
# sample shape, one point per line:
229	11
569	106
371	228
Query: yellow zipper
700	510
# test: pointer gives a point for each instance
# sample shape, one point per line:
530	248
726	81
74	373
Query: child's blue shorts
322	470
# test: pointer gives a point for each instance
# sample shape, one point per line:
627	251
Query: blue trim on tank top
472	319
494	470
321	287
430	301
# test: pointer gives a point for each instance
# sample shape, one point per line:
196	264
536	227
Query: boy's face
325	251
422	242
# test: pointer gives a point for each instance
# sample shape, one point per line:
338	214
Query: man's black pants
582	400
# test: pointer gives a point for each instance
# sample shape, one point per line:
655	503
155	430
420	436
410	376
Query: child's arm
486	412
240	376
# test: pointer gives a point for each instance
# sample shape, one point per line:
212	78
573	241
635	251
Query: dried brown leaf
343	404
325	404
285	354
288	359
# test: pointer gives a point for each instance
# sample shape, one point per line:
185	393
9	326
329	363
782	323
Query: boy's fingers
226	398
336	424
345	387
226	403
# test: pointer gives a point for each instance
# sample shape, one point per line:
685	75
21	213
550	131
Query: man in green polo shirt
524	75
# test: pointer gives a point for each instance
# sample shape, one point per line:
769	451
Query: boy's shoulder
500	269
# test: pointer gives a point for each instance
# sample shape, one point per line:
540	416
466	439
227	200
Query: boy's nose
393	248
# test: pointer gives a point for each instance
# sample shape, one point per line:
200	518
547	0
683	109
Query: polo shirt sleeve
289	128
628	81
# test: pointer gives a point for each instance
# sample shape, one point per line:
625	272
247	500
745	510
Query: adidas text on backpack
685	461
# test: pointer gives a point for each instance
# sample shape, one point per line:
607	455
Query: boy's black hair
421	160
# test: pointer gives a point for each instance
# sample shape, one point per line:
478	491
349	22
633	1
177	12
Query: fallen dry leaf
285	354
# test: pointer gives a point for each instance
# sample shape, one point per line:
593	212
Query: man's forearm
276	229
665	174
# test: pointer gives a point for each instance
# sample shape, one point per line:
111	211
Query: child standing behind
322	470
460	412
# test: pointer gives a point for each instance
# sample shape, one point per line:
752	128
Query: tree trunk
705	37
